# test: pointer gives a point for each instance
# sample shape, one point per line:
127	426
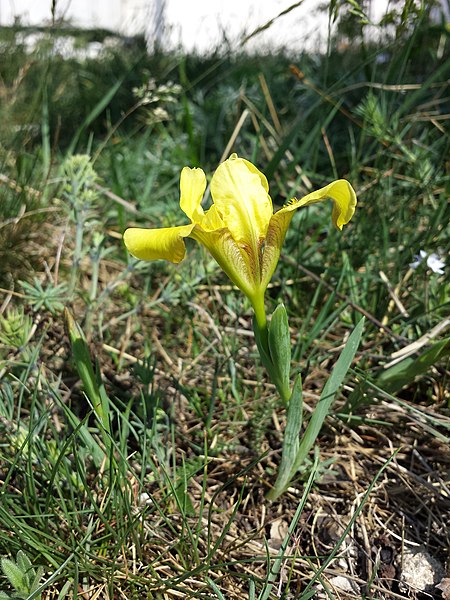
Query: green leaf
261	338
93	386
280	346
290	464
65	590
291	439
98	108
23	562
79	427
404	372
215	589
328	395
38	574
14	574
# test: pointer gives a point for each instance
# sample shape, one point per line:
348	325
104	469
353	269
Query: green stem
77	253
262	342
261	320
285	392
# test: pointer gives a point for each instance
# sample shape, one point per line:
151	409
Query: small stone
278	531
444	586
344	584
420	571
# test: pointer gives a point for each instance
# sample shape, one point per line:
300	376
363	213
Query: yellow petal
211	220
240	195
272	246
154	244
192	188
232	259
342	194
344	203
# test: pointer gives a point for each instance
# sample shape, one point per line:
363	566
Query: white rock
420	571
344	584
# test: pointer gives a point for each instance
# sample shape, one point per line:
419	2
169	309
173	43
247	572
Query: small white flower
418	258
433	262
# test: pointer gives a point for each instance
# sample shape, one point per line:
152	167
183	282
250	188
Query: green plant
22	576
50	297
15	328
245	237
80	192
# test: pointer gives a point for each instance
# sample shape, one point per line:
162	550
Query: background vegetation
161	495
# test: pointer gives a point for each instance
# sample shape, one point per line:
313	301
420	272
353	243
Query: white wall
117	15
193	24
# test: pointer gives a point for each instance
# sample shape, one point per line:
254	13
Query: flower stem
261	319
262	341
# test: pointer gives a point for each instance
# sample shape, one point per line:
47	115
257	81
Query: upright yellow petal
154	244
211	220
343	196
240	195
192	188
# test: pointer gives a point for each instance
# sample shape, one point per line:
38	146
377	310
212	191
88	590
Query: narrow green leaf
38	574
98	455
328	394
291	439
65	590
215	589
92	384
262	345
405	371
45	133
414	97
98	108
294	132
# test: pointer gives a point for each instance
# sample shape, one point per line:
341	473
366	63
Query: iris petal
230	256
154	244
276	233
344	203
342	194
192	188
240	195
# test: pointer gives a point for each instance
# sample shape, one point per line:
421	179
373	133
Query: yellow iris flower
240	229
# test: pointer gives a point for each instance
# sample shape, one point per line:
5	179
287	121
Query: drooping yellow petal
272	246
240	194
154	244
344	203
342	194
192	188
